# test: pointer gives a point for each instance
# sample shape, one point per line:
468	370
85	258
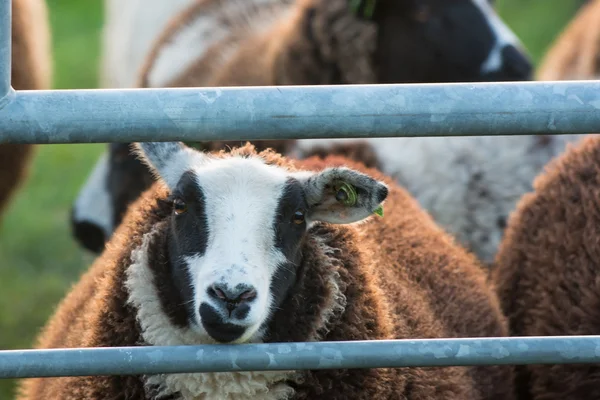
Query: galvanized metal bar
252	113
299	356
5	47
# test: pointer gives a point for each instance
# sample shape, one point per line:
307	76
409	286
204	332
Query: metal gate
254	113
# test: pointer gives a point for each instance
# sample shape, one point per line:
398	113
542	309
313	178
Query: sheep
293	251
31	69
469	185
575	55
129	29
546	271
274	42
490	174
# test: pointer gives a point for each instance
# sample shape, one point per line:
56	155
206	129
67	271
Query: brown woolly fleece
547	269
402	277
31	70
575	55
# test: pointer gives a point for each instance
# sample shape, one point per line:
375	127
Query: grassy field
38	258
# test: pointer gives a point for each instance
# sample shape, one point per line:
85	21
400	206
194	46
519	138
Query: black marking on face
188	234
381	194
438	41
289	237
170	296
233	301
213	323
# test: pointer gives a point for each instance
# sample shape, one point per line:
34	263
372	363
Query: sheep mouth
217	328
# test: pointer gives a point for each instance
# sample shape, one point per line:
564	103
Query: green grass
38	258
537	22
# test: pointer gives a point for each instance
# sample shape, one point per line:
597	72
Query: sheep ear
167	160
342	195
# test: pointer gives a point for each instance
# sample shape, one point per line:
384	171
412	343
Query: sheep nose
232	298
88	234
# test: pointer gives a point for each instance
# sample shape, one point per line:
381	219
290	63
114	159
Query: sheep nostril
248	295
216	292
240	294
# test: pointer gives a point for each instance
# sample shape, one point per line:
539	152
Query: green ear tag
346	194
368	10
379	211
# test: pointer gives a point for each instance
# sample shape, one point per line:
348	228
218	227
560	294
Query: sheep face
237	228
118	178
446	41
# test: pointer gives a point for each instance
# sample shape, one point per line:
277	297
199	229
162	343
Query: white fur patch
129	30
94	204
336	304
242	198
214	25
504	37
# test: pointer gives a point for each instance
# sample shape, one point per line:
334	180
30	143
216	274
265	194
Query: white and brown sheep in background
31	70
274	42
547	270
240	246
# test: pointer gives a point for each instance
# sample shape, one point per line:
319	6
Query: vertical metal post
5	46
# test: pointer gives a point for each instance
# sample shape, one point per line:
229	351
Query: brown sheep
547	269
274	242
575	55
182	43
31	70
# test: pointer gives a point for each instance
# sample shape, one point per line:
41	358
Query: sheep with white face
244	246
237	229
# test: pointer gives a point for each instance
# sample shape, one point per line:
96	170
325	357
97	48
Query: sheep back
547	269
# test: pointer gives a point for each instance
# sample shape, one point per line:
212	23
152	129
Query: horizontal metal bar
299	356
5	47
253	113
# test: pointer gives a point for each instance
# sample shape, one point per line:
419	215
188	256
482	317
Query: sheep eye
179	206
298	217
